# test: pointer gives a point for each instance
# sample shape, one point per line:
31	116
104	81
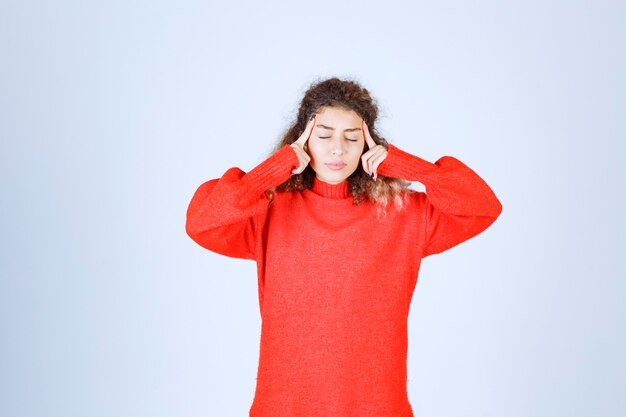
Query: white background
113	113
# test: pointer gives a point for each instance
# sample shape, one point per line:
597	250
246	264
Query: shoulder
281	196
413	203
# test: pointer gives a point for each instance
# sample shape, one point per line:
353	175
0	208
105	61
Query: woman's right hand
300	145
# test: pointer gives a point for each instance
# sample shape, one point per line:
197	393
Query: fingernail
312	116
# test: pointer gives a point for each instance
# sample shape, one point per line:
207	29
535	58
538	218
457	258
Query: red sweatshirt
335	282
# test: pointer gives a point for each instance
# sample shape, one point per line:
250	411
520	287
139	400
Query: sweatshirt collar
335	191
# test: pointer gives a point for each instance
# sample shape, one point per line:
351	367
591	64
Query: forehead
335	118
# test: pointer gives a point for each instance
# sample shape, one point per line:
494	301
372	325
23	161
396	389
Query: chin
331	178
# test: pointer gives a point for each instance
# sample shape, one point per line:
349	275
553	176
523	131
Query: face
336	144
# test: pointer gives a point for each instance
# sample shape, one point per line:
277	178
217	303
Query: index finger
366	133
307	131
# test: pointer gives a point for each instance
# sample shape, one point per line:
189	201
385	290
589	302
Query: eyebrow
332	128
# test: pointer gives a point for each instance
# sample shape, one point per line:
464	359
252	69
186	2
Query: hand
300	145
374	156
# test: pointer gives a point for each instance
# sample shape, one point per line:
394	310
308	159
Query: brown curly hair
347	95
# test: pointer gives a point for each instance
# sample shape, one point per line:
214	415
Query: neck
326	189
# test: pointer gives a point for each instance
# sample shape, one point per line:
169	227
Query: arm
458	204
221	214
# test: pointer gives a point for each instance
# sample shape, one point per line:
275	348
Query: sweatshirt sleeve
457	205
221	216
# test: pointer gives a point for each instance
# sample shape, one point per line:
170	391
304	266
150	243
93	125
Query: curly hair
347	95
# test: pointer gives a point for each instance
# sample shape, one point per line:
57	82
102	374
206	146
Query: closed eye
328	137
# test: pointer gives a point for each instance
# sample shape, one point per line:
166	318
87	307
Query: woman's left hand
374	156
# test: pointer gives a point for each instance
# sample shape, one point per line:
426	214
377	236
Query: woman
338	238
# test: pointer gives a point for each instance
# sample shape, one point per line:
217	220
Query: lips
335	165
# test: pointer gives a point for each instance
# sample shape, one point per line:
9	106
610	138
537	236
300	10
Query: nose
337	147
